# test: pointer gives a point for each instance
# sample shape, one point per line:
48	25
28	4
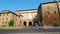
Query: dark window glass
7	14
18	13
3	14
0	18
0	14
48	12
6	18
6	22
54	12
3	18
54	19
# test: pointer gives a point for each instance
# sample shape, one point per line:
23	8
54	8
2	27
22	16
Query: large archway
24	23
30	23
36	23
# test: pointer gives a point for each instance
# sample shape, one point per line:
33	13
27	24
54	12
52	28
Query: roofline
5	10
9	12
46	3
26	10
49	2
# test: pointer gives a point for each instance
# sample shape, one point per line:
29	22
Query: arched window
48	12
54	12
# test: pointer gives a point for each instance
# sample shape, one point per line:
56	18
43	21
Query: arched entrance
35	23
30	23
24	23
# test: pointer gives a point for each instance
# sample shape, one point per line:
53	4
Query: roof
27	10
39	7
46	3
8	11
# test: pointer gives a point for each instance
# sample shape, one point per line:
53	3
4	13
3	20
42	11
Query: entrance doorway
24	23
30	23
35	23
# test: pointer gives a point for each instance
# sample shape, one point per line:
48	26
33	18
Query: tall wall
50	14
27	16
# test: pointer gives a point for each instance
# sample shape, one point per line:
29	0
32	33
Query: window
47	6
0	14
18	13
54	12
6	22
20	21
6	18
29	15
3	18
7	14
3	14
48	12
54	6
0	18
54	19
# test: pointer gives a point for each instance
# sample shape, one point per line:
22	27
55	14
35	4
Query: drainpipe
57	7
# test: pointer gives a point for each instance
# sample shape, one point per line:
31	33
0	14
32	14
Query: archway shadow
38	18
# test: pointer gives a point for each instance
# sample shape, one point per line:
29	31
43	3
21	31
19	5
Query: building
29	17
17	20
21	17
5	17
49	13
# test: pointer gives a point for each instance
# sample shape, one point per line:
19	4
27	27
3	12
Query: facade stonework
49	13
5	17
46	14
20	17
28	17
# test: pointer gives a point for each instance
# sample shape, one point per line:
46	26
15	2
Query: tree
11	22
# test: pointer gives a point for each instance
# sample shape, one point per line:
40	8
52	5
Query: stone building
29	17
49	13
5	17
21	17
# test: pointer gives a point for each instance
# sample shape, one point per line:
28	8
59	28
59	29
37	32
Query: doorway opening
35	23
30	23
24	23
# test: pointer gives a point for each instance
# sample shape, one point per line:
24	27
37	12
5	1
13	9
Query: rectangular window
6	22
0	14
3	14
3	18
7	14
6	18
0	18
54	12
48	12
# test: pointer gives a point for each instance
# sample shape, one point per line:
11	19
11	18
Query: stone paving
30	30
34	33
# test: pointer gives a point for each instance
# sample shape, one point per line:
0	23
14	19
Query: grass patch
11	27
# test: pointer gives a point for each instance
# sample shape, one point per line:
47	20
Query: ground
29	30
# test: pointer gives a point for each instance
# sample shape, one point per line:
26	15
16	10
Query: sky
14	5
